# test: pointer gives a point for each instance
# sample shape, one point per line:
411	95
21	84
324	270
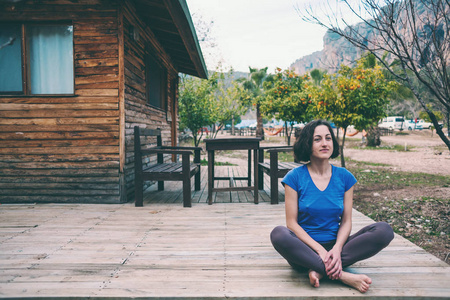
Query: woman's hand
333	264
323	255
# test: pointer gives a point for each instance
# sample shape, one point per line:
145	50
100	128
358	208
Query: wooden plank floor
163	250
173	192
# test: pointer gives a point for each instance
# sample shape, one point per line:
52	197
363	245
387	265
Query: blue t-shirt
320	212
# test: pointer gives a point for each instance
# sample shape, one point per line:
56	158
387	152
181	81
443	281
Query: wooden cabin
75	77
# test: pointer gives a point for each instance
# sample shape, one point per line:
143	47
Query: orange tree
286	99
195	105
354	96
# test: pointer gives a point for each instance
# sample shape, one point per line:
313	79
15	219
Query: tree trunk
373	138
439	130
342	148
448	122
288	133
232	126
197	141
259	123
433	119
216	131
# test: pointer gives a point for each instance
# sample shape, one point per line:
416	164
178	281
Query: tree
317	75
254	84
413	34
286	99
196	104
354	96
231	101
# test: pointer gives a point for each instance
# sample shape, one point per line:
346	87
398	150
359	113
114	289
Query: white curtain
51	59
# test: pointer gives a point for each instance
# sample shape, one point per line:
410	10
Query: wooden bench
274	169
164	171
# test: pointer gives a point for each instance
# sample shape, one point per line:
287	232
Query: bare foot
314	278
360	282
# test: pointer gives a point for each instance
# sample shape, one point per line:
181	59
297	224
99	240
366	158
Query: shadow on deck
163	250
173	192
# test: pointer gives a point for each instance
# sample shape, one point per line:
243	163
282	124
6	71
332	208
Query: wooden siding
66	149
80	148
137	110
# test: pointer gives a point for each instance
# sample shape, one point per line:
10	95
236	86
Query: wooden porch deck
162	250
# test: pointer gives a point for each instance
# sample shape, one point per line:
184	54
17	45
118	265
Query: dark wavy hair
303	145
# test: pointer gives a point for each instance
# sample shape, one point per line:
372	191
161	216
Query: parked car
395	122
411	125
425	125
299	125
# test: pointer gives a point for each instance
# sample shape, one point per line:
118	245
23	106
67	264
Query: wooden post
138	180
260	172
249	162
121	92
274	177
210	175
160	160
186	180
197	176
255	171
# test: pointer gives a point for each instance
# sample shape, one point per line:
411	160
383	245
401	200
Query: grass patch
396	147
282	156
424	220
440	149
372	164
204	162
401	133
393	180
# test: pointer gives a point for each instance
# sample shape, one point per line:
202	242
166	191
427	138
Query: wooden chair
164	171
274	169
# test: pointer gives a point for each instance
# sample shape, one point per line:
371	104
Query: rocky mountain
337	50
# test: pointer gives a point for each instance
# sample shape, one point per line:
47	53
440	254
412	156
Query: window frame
25	60
163	84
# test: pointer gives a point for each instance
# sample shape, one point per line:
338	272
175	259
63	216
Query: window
156	80
45	67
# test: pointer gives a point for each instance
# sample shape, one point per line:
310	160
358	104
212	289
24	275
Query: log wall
137	110
79	148
66	149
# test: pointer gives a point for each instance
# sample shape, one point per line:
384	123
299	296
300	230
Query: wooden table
233	144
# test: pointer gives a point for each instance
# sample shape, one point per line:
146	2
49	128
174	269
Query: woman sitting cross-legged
318	200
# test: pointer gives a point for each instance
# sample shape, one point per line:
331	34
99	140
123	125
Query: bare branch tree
411	38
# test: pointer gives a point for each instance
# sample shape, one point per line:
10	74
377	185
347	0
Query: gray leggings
365	243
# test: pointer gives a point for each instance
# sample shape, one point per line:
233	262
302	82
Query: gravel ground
429	154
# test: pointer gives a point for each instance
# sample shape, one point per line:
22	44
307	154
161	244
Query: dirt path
428	155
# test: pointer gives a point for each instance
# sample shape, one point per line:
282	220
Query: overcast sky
257	33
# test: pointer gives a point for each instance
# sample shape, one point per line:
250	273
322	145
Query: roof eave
181	17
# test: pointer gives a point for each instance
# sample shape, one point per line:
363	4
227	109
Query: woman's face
322	146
